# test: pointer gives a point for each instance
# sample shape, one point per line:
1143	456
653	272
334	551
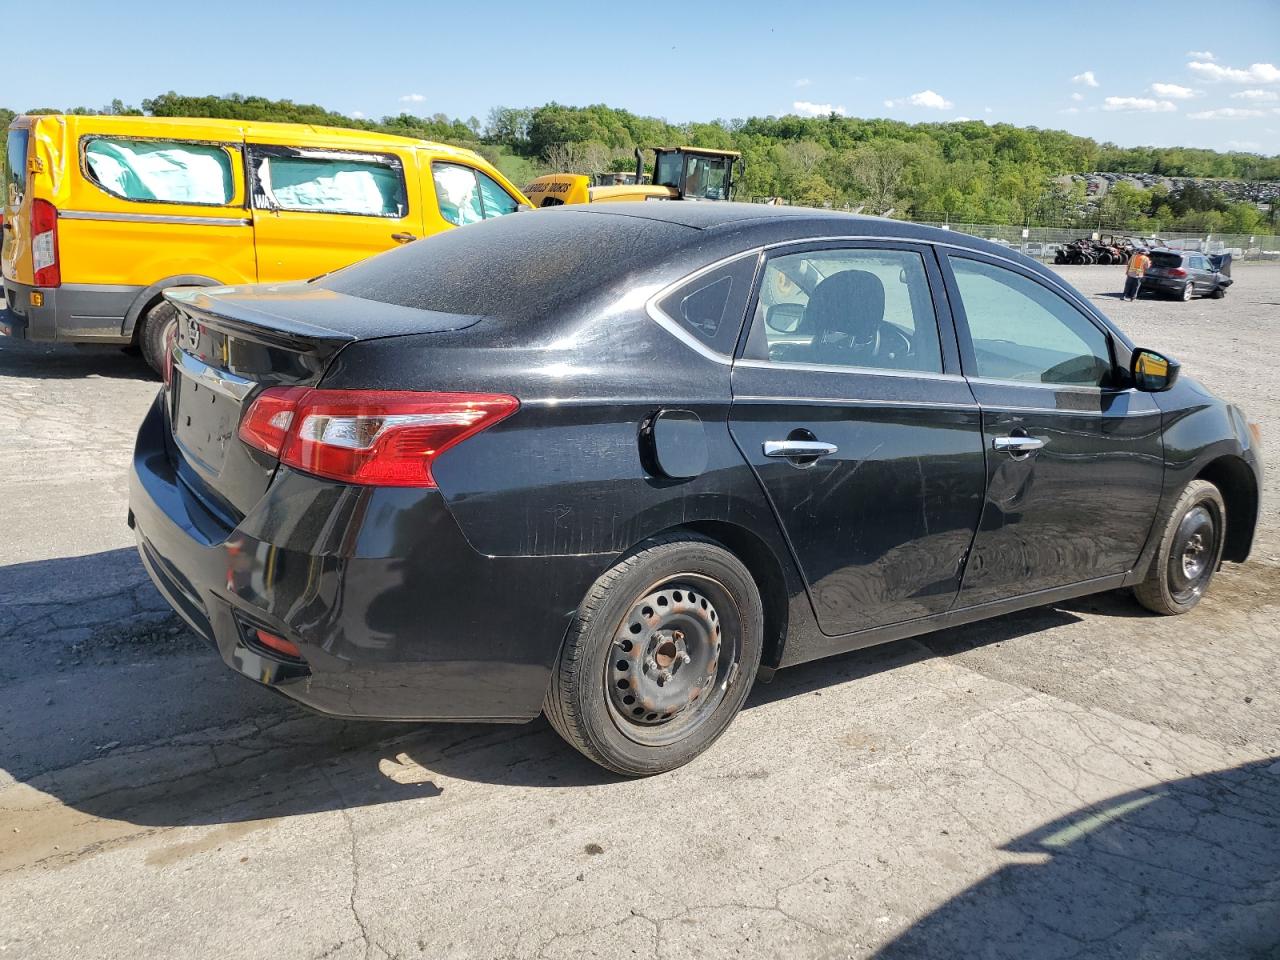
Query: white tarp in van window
333	185
161	170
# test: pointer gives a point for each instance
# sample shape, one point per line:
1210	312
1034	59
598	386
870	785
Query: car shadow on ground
128	716
64	361
1186	868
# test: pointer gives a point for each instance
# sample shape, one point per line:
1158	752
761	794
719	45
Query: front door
849	407
1075	459
316	210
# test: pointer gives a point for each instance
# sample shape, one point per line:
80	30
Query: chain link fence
1044	242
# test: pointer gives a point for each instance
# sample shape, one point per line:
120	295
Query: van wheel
1189	553
154	336
660	657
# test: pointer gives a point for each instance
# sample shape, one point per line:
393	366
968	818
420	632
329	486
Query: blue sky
1196	74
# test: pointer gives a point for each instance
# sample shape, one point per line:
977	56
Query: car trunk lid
230	343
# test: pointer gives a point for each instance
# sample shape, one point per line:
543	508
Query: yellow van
102	213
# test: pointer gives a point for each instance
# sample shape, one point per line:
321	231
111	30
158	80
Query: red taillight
44	244
1177	272
278	644
373	437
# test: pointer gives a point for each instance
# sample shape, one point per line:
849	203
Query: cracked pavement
1082	780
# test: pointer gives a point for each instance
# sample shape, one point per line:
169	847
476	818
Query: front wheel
1189	552
1219	292
660	657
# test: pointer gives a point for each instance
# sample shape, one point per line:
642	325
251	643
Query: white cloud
805	108
1254	73
1143	104
1087	78
1172	91
412	98
1227	113
1200	55
357	114
1077	96
962	119
1257	96
803	82
986	109
925	98
1249	146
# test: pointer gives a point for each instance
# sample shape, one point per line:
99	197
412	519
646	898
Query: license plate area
205	420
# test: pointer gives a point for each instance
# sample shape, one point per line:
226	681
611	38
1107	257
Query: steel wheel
671	662
1194	549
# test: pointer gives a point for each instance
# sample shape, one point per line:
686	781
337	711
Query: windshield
15	165
707	178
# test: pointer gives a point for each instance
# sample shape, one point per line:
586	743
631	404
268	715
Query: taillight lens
44	244
373	437
1177	272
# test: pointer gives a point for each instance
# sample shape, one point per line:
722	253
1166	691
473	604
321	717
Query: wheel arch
153	294
1235	480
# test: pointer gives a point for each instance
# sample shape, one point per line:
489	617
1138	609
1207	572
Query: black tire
154	334
1189	553
1219	292
606	659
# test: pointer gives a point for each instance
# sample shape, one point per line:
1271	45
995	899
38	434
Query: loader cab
693	173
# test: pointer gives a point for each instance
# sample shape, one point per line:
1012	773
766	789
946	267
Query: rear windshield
15	164
519	267
1159	259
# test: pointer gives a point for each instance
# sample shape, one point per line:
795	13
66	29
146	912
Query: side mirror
784	317
1153	372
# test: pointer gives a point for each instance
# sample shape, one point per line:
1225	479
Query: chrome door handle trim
210	377
798	448
1017	445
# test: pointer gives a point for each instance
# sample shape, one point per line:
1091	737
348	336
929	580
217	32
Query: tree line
965	171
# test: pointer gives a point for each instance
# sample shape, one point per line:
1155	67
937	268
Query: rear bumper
71	313
397	617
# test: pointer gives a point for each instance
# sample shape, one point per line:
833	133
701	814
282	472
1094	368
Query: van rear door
15	239
316	209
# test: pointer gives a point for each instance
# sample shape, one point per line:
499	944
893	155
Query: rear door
1075	458
15	238
849	406
316	209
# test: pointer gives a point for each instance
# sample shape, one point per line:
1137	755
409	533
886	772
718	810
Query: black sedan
616	462
1183	274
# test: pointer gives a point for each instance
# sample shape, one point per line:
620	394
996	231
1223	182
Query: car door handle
798	448
1018	446
403	237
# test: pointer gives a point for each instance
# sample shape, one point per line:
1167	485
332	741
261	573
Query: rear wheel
1189	552
660	657
154	338
1188	291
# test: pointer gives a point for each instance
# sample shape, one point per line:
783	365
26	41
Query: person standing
1137	269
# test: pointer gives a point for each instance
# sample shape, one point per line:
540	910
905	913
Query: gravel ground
1078	780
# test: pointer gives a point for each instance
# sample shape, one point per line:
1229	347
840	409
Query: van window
160	170
361	184
466	195
15	174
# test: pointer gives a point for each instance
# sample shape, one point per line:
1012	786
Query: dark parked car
1184	274
495	473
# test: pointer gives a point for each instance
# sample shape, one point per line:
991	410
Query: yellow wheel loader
679	173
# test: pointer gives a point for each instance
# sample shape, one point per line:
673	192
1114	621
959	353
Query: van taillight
385	438
44	244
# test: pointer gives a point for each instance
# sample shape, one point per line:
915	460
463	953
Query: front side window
15	163
707	178
465	195
847	308
370	185
168	171
1022	330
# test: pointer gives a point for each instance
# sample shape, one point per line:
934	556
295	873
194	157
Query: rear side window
465	195
15	165
314	181
711	306
160	170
